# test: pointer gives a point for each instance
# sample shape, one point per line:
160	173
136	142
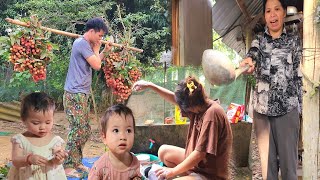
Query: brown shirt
210	132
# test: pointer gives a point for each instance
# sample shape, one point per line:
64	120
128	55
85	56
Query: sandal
83	168
72	173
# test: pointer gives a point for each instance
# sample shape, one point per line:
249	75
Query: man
84	56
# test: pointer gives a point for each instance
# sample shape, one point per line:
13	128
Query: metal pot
218	68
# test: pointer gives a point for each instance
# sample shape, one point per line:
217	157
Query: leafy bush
29	49
121	72
4	170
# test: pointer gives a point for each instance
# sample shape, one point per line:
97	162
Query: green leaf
13	40
3	51
117	64
312	92
18	74
43	54
55	46
37	59
4	40
20	60
27	76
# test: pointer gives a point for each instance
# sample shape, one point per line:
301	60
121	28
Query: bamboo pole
55	31
94	106
310	114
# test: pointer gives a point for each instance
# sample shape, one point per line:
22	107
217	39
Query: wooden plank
9	111
310	67
254	21
244	11
10	118
10	106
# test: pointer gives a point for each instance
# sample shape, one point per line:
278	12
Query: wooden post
247	101
310	67
249	38
195	30
175	33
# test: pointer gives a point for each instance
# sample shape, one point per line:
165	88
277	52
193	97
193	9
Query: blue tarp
87	162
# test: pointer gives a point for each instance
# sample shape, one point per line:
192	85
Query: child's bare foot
83	168
70	172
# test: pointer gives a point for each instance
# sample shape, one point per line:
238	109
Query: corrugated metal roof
228	21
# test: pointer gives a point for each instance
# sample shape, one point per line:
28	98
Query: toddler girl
37	153
117	131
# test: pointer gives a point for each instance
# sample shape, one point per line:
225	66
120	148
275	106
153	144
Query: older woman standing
278	93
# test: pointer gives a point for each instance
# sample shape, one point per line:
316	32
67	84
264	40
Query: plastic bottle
152	172
177	116
144	170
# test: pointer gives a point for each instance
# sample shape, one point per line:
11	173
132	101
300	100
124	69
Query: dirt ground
93	148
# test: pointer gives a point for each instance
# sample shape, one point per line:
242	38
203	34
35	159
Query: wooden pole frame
310	114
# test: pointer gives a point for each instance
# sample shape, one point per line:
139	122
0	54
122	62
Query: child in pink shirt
117	131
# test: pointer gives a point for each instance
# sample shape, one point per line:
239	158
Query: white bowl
143	158
291	10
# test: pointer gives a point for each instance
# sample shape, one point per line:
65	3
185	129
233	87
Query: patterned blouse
278	87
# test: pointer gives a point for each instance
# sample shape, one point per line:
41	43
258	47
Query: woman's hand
165	173
140	85
248	61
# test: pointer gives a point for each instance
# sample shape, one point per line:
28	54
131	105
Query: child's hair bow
191	87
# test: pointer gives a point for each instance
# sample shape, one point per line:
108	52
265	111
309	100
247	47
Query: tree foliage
220	46
145	24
